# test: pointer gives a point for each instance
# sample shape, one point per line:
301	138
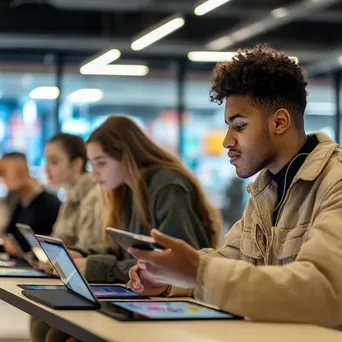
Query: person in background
34	201
81	216
7	205
282	261
147	188
233	208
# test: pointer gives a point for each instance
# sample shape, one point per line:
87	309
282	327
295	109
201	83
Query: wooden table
92	326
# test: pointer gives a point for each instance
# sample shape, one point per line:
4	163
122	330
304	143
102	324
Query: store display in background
165	130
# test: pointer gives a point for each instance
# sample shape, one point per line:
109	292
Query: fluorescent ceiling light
280	12
44	93
106	58
208	6
210	56
86	95
218	56
163	29
340	60
117	69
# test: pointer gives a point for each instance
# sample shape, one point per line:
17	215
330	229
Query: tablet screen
16	272
173	310
66	269
112	291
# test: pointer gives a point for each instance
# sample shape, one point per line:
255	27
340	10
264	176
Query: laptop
27	232
77	293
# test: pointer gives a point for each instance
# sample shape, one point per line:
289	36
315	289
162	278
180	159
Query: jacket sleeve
231	250
309	290
64	226
107	269
90	223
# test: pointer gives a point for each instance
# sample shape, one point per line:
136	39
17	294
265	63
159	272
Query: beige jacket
290	272
81	217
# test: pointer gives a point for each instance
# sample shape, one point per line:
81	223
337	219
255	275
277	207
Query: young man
35	207
283	260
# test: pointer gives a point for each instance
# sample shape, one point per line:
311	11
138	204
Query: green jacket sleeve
174	215
107	269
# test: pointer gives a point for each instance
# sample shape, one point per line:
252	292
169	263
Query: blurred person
282	261
7	205
34	201
147	188
233	208
81	216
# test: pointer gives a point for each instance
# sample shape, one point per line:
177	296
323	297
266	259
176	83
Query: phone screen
173	310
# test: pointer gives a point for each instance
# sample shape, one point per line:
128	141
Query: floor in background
14	324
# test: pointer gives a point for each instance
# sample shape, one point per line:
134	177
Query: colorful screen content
66	269
172	310
112	291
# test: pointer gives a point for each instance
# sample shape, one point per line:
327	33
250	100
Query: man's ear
281	121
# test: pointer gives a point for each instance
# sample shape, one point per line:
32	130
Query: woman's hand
142	282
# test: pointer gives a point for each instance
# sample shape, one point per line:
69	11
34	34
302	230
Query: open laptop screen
66	269
28	234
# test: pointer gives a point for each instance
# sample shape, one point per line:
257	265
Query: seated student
34	201
7	205
288	245
80	218
147	187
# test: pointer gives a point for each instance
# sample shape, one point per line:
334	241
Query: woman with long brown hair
146	187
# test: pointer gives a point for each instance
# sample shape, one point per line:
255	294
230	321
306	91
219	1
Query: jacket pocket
291	240
249	249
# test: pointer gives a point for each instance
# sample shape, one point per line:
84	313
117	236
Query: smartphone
27	232
127	240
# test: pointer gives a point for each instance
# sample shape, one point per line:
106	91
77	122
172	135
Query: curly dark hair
268	76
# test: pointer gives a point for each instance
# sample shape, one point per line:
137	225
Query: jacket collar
309	171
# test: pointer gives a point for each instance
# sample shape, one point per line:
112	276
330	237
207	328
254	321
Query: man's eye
239	128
